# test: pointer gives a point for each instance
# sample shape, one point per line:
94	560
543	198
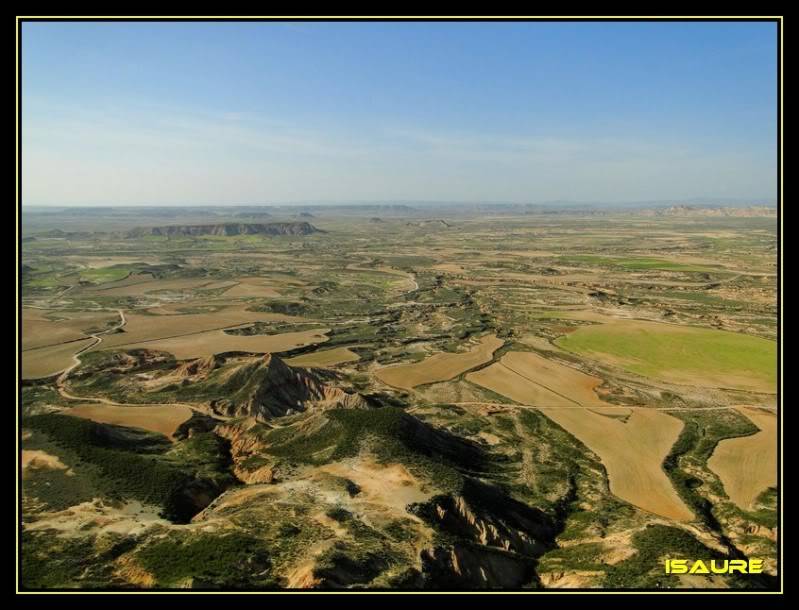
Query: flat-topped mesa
227	229
752	211
430	222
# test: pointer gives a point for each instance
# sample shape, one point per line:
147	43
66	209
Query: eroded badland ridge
397	397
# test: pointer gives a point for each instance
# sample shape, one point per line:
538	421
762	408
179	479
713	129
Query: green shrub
232	560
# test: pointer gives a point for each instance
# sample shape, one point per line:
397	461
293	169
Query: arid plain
397	398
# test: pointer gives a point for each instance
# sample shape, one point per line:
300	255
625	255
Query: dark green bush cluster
645	568
49	561
42	569
130	464
232	560
698	439
337	513
285	307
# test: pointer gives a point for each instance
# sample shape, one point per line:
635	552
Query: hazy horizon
698	201
216	114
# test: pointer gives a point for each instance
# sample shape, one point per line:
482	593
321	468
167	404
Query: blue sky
234	113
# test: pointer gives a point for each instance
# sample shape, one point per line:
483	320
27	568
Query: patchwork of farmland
406	399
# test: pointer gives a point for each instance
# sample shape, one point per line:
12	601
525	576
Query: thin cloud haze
165	131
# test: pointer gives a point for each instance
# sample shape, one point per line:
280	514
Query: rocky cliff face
246	443
227	229
456	515
461	566
496	539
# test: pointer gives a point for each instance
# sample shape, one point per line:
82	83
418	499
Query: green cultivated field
105	274
687	354
638	263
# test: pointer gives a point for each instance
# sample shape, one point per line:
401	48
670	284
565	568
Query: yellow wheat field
252	287
324	358
531	379
142	327
46	361
439	367
631	443
632	453
163	419
198	345
41	328
747	465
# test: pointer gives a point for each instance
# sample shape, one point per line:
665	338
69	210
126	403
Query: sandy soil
386	485
97	516
33	459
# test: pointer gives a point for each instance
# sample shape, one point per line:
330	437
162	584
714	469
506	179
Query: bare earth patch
252	287
35	459
388	485
502	380
99	516
143	284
